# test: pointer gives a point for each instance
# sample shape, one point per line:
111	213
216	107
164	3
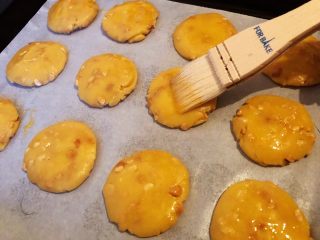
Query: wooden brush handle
251	50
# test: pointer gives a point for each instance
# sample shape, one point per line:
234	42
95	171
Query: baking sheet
209	151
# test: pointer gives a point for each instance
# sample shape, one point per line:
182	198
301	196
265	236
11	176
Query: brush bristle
196	84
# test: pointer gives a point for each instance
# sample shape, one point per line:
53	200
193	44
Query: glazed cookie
273	130
298	66
145	192
162	105
106	80
9	121
197	34
61	157
254	209
66	16
130	21
37	64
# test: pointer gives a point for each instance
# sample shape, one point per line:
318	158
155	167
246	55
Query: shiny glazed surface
298	66
144	192
273	130
61	157
257	210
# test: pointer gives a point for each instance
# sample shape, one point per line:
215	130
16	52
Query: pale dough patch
197	34
273	130
261	210
61	157
9	121
106	80
66	16
37	64
130	21
145	192
298	66
162	105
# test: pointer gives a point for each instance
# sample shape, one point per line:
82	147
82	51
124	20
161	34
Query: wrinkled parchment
209	151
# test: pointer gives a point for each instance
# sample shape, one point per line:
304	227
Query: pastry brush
242	55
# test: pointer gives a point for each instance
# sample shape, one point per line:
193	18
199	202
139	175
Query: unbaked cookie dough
197	34
37	64
106	80
130	21
298	66
9	121
261	210
61	157
145	192
66	16
162	105
273	130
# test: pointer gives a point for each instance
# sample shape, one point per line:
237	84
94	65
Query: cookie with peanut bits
66	16
298	66
130	21
194	36
37	64
106	80
145	192
253	209
273	130
9	121
162	105
61	157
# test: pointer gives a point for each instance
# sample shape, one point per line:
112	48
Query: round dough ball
61	157
254	209
162	105
145	192
9	121
197	34
66	16
37	64
130	21
274	130
298	66
106	80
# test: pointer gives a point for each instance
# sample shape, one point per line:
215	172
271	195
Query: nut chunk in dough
197	34
9	121
298	66
257	210
145	192
37	64
61	157
130	21
162	105
273	130
106	80
66	16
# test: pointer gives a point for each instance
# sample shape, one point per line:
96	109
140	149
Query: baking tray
209	151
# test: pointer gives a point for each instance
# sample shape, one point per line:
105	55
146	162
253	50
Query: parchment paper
209	151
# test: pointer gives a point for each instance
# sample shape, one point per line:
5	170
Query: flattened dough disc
130	21
37	64
162	105
61	157
145	192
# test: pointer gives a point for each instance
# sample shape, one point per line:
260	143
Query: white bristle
197	83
